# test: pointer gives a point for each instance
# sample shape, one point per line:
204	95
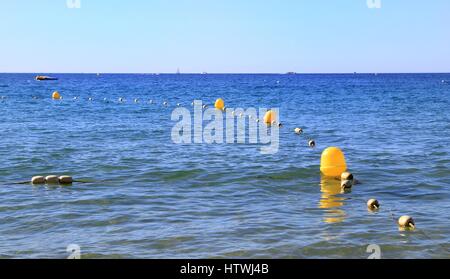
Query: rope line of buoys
333	163
52	179
404	222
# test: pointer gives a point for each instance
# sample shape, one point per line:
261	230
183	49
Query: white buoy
90	99
136	100
298	131
75	98
373	204
52	179
347	176
346	184
38	180
312	143
406	222
65	180
165	104
121	100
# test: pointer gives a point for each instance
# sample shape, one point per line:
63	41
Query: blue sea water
146	197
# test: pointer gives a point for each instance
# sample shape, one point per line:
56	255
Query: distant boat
291	73
204	73
40	78
178	71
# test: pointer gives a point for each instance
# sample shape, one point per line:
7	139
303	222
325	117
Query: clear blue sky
220	36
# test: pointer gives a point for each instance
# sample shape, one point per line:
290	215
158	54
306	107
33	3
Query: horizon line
223	73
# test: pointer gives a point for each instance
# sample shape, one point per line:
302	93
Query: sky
224	36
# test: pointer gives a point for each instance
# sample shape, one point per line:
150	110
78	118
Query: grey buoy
90	99
312	143
66	180
205	106
298	131
38	180
280	125
52	179
406	222
165	104
178	105
373	204
136	101
151	101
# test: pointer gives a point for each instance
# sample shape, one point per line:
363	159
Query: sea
138	194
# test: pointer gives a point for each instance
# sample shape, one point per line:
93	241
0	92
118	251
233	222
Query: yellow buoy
56	95
333	162
220	104
270	117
